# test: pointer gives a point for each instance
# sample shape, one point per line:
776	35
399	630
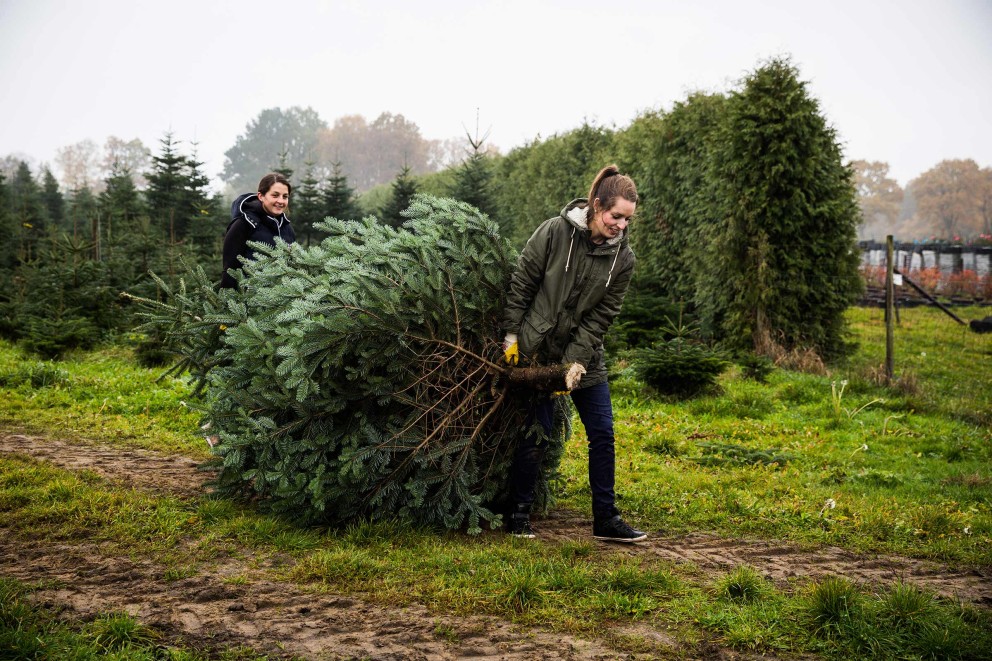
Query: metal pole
889	309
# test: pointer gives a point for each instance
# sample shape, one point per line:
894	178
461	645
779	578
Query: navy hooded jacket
249	222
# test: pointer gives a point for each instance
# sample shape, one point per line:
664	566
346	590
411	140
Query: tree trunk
553	378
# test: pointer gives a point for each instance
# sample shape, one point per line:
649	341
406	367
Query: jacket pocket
533	330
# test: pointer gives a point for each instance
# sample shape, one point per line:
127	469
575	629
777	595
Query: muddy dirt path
210	610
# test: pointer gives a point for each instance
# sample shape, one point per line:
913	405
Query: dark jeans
596	412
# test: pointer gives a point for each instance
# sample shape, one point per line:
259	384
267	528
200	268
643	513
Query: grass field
834	460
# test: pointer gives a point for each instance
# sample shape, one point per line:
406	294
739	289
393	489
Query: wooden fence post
890	299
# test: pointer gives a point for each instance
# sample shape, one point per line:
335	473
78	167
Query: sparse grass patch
113	632
743	585
834	607
902	621
446	632
178	573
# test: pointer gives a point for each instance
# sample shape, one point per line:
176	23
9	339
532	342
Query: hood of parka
249	207
576	214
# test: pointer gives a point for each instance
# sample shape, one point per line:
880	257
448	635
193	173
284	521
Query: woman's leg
528	456
596	412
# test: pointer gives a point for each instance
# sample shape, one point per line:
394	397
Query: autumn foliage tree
879	197
953	198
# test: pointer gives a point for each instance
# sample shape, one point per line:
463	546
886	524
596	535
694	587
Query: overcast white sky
907	82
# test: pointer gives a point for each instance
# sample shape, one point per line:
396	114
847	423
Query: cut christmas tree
363	376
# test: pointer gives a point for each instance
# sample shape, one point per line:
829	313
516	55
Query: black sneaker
616	529
520	526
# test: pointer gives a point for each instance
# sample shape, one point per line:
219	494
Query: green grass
569	586
902	469
102	395
906	468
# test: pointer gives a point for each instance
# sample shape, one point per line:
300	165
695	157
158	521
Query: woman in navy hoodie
256	217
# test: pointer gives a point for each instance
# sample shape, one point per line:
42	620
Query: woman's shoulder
239	227
246	206
553	224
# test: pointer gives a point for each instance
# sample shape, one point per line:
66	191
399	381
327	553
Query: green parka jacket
566	291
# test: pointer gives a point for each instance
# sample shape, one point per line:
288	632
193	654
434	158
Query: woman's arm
235	246
528	276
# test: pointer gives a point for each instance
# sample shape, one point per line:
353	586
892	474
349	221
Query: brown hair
608	185
273	178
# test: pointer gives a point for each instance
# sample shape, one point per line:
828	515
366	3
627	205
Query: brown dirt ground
210	612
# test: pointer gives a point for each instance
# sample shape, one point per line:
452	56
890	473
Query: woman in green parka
567	289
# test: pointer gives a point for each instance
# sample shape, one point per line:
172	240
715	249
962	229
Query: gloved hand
511	352
572	378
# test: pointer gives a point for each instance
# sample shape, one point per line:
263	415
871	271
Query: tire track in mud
130	467
785	563
210	612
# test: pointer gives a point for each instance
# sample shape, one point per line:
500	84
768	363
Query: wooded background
747	220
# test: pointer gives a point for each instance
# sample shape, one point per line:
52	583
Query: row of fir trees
68	255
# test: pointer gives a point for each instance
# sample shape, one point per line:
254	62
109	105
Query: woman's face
607	224
275	200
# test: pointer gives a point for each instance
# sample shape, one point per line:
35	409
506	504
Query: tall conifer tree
783	259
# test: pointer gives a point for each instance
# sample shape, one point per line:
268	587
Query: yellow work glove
511	351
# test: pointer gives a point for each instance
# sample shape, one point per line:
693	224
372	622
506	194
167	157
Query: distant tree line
366	153
951	201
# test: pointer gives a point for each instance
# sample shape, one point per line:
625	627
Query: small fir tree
404	188
30	215
167	190
283	168
120	202
84	219
339	197
473	179
306	205
206	220
53	199
9	228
